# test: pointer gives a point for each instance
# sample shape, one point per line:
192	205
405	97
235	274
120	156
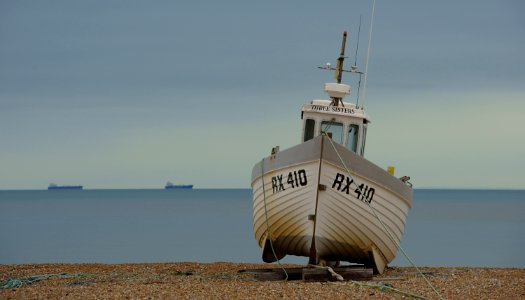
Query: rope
334	274
387	287
383	224
267	224
14	283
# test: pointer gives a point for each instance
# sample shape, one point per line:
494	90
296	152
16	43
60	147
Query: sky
131	94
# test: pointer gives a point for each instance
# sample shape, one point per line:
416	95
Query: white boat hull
311	206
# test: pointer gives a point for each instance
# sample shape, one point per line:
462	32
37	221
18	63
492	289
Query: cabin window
351	141
309	129
335	128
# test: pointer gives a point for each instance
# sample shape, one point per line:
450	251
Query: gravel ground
223	281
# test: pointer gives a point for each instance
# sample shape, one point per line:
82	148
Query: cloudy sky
131	94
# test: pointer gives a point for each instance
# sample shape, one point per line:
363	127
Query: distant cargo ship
170	185
53	186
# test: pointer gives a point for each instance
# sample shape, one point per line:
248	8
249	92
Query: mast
340	60
337	91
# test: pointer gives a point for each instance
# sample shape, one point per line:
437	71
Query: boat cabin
344	122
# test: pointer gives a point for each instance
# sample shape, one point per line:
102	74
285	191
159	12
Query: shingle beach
224	281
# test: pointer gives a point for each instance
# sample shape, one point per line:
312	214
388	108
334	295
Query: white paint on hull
345	227
288	210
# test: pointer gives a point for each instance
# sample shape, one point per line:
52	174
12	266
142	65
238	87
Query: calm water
445	227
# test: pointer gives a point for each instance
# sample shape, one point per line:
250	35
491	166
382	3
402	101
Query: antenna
358	90
355	60
368	52
358	34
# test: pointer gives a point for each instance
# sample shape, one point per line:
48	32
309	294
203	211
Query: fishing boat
170	185
53	186
322	198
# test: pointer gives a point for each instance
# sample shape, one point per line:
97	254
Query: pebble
186	280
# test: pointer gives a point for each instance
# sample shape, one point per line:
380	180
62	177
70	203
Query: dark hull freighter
170	185
64	187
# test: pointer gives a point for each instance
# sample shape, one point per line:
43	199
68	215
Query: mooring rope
388	288
12	283
268	235
333	273
390	236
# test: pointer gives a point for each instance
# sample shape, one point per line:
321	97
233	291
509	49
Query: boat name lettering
336	109
363	192
295	179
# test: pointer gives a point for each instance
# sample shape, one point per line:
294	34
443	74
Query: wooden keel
379	264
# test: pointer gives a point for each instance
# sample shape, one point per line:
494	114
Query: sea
450	228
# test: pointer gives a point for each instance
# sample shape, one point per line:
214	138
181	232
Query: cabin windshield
335	128
351	140
309	129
